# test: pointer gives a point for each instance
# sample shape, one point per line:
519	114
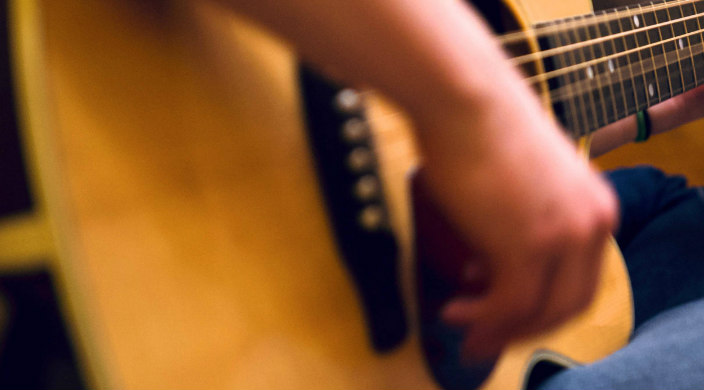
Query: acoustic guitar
218	216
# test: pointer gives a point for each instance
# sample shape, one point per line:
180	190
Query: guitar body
180	202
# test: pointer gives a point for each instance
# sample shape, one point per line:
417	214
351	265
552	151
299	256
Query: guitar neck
603	67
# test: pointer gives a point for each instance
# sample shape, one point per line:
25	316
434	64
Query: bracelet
643	126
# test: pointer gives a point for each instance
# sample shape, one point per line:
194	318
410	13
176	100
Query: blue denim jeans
666	352
662	240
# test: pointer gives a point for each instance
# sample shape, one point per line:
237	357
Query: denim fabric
666	352
662	239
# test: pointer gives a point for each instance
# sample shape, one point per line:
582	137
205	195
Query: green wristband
643	120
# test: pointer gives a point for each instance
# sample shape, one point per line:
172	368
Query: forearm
425	55
663	117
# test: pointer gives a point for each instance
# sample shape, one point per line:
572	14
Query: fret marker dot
590	72
681	42
651	90
612	68
636	21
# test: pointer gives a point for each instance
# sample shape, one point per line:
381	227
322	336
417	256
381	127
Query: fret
697	39
576	100
579	78
562	109
632	91
646	84
610	69
683	48
602	68
658	50
670	52
599	69
587	31
643	38
664	57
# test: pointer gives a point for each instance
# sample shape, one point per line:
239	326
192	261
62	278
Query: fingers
490	320
577	275
574	287
553	282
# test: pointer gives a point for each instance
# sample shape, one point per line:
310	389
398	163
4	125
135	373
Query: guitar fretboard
606	66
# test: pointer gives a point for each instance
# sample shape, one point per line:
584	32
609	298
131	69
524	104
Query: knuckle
607	216
606	212
588	226
578	230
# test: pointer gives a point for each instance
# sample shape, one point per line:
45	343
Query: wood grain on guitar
191	240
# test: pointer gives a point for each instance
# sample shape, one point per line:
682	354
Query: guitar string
558	95
579	89
619	115
538	32
572	120
524	35
652	57
377	120
571	36
689	42
679	61
658	62
559	72
667	68
611	88
642	69
700	42
542	54
583	87
620	75
598	83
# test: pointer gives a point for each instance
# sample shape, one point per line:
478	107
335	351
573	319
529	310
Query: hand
537	215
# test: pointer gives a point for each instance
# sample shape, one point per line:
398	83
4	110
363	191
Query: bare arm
497	165
665	116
